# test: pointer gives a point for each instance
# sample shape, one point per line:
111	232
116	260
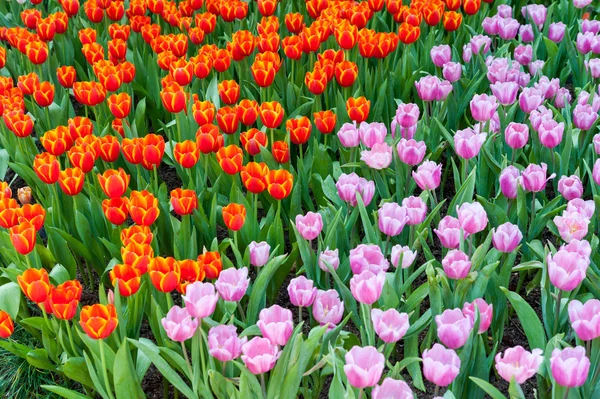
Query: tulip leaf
488	388
259	289
124	375
10	298
370	233
94	376
39	358
64	392
529	320
249	384
59	274
222	388
76	369
464	193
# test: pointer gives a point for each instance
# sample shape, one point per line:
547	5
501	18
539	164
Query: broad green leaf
529	320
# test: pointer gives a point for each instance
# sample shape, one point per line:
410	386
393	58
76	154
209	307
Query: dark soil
168	175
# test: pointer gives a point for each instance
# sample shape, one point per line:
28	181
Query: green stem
178	128
532	213
262	384
241	310
557	313
567	393
71	341
48	324
187	359
105	369
202	359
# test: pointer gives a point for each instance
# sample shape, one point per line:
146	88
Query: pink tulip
276	324
440	365
596	172
200	299
585	319
448	232
405	132
452	71
518	363
570	187
456	264
523	54
570	366
483	107
504	11
408	256
453	328
349	186
507	237
390	325
368	257
302	292
364	366
526	33
516	135
590	26
490	25
372	133
259	253
584	98
486	313
581	3
540	115
586	208
508	28
411	152
596	142
232	284
348	135
566	269
392	389
366	287
505	92
593	67
379	157
563	97
535	13
392	218
584	42
328	309
500	71
472	217
407	115
530	99
571	225
416	209
556	32
467	53
468	142
431	88
509	181
534	177
440	55
579	247
224	343
179	324
260	355
428	175
551	133
480	44
331	257
547	87
310	225
584	116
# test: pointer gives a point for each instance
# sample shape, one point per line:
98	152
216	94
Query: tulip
364	366
328	309
468	142
428	175
585	208
585	319
472	217
440	55
302	292
483	107
486	313
259	253
453	328
325	121
584	116
390	325
551	133
358	109
200	299
452	71
440	365
232	284
279	183
349	186
275	324
570	366
534	177
509	181
518	363
143	207
367	286
179	324
349	135
234	216
411	152
372	133
35	284
566	270
392	218
224	343
392	389
540	115
570	187
530	99
431	88
260	355
329	257
98	321
310	225
516	135
164	273
416	209
23	237
408	256
571	225
211	263
6	325
407	115
128	277
114	183
507	237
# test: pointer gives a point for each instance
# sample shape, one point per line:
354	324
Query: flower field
299	199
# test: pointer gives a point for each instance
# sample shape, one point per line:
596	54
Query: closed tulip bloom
518	363
372	133
23	237
570	187
349	135
440	365
302	291
392	218
556	31
505	92
407	115
486	313
34	214
35	284
456	264
440	55
416	209
275	324
234	216
329	257
364	366
184	202
516	135
570	366
143	207
428	175
260	355
350	185
114	183
585	208
566	270
299	130
453	328
232	284
551	133
358	109
452	71
585	319
507	237
509	181
200	299
310	225
392	389
179	324
472	217
325	121
224	343
408	256
468	142
584	116
390	325
379	157
128	278
540	115
328	309
271	114
571	225
411	152
526	33
483	107
534	177
279	183
98	321
530	99
368	257
346	73
431	88
259	253
6	325
186	153
71	181
367	286
164	273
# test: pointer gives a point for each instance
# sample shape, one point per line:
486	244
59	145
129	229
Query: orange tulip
115	210
292	47
117	126
117	31
471	7
209	139
71	180
28	83
113	182
358	109
46	167
316	81
281	152
408	33
229	91
230	159
204	112
23	237
227	120
294	22
221	60
66	76
128	277
87	36
253	176
252	140
346	34
182	71
268	24
32	213
136	234
57	141
143	207
247	111
453	5
109	75
191	271
211	263
115	11
243	44
9	212
45	28
119	105
80	127
82	157
6	325
311	39
184	201
325	121
35	284
30	17
150	32
44	94
137	255
267	7
153	149
89	93
196	35
18	122
93	52
132	150
269	42
263	71
98	321
109	148
186	153
117	48
279	183
346	73
173	97
299	130
64	299
432	14
234	216
452	20
206	21
271	114
164	273
37	52
5	191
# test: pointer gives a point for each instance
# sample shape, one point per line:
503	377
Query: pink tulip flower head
590	26
224	343
392	389
428	175
302	292
200	299
449	231
453	328
483	107
534	177
586	208
570	366
486	313
507	237
571	225
593	67
563	97
468	142
547	87
232	284
440	55
508	28
551	133
523	54
456	264
518	363
349	135
372	133
505	92
452	71
276	324
367	286
179	324
516	135
585	319
392	218
467	53
411	152
364	366
329	257
259	253
504	11
584	98
570	187
581	3
540	115
368	257
328	309
407	115
310	225
596	171
480	44
472	217
509	181
378	157
526	33
408	256
596	142
416	209
440	365
556	31
535	13
566	269
584	116
431	88
490	25
260	355
349	186
584	42
579	247
530	99
390	325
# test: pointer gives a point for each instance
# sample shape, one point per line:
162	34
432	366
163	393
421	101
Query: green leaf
370	232
39	358
59	274
76	369
124	375
488	388
64	392
464	193
529	320
259	288
10	299
222	388
249	384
